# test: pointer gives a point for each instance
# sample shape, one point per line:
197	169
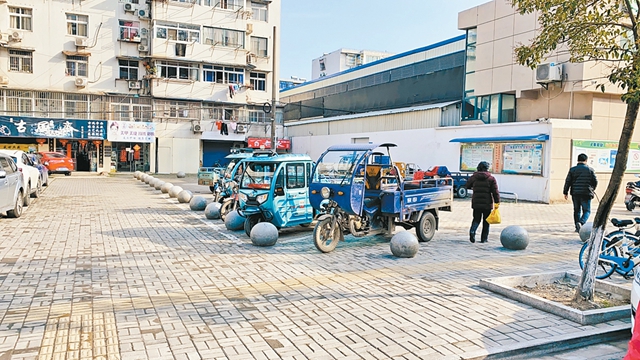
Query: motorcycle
632	199
229	203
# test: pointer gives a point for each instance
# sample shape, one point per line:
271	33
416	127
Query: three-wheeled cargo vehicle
227	188
275	188
361	192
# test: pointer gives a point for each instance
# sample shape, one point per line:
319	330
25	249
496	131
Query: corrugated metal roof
374	113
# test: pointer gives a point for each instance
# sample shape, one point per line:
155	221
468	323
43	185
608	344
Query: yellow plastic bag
494	217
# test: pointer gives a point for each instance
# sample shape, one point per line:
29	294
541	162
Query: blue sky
310	28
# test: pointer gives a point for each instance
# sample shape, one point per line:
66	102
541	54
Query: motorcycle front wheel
226	208
324	239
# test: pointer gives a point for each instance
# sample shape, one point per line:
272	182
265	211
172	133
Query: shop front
130	145
82	140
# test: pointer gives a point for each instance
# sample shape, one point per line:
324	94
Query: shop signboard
602	155
30	127
131	131
258	143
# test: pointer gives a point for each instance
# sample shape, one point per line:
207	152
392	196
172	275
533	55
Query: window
130	112
295	176
20	18
77	65
259	11
470	109
350	60
323	66
258	81
128	69
223	37
178	70
178	32
228	4
222	75
188	1
258	117
259	46
77	24
129	30
21	61
19	103
76	106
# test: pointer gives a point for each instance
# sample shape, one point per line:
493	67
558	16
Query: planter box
506	286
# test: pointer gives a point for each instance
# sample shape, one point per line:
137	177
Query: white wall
429	147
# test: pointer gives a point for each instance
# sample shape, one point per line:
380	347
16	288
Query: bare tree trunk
588	279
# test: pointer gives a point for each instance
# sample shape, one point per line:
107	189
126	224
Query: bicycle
620	250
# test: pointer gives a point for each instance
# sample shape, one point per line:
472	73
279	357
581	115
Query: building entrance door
131	156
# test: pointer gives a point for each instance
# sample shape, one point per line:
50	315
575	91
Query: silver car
11	187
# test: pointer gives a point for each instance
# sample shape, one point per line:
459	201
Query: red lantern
41	141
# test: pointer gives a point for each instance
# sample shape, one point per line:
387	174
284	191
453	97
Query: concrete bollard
514	237
404	244
264	234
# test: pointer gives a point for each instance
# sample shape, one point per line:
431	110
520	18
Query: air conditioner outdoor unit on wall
15	36
249	28
81	42
143	13
196	127
547	73
134	85
4	80
128	7
143	48
241	128
81	82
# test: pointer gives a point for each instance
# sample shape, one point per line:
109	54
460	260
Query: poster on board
602	154
472	154
522	158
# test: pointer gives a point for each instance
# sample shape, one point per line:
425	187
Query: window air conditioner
80	42
15	36
143	48
81	82
241	128
134	85
196	127
547	73
128	7
4	80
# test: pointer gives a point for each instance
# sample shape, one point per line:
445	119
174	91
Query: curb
559	343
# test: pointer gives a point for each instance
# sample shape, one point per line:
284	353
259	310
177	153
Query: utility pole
274	89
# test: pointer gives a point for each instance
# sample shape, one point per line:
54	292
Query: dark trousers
581	203
480	215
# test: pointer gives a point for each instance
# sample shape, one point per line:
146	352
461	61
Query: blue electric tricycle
361	192
275	188
226	191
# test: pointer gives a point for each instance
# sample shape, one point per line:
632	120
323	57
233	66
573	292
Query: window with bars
258	117
128	69
259	46
77	65
19	103
223	37
20	18
228	4
129	30
131	112
222	74
178	70
258	81
259	11
185	33
77	24
21	61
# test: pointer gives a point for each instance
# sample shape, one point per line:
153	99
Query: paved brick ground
108	268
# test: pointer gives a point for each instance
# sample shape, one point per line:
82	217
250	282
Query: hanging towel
233	125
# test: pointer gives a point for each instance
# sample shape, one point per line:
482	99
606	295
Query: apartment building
155	85
343	59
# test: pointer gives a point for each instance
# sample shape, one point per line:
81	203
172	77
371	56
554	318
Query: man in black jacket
582	181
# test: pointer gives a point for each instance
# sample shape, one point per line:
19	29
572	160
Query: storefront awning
539	137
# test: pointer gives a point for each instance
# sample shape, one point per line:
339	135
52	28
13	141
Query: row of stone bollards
262	234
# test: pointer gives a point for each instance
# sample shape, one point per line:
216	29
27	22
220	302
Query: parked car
57	162
29	172
11	187
44	172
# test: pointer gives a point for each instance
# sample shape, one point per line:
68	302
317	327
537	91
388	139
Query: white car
31	174
635	297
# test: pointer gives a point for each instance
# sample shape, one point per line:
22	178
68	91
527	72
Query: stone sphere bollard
181	174
233	221
152	182
143	177
514	237
158	184
184	196
148	179
174	191
136	174
198	203
404	244
264	234
166	187
585	231
212	211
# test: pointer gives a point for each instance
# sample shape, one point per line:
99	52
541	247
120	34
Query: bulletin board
517	158
602	155
472	154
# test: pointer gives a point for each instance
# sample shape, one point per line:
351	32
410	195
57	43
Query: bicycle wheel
604	268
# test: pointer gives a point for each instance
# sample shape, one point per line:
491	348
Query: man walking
582	181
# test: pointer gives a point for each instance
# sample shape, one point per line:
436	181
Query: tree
604	31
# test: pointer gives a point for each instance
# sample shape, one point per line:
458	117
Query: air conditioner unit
143	48
143	13
134	85
251	58
128	7
15	36
249	28
547	73
81	82
4	80
241	128
144	32
80	42
196	127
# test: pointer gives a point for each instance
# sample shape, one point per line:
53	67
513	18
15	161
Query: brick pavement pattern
109	268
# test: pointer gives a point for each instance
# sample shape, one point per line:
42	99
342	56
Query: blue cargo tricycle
227	187
361	192
275	188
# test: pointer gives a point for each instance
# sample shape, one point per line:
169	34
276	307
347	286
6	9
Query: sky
310	28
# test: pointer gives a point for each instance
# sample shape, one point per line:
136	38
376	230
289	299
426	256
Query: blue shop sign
21	126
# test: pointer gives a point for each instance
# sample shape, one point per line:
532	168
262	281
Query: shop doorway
130	157
83	152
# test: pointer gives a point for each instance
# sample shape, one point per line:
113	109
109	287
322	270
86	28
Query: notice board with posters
472	154
602	155
519	158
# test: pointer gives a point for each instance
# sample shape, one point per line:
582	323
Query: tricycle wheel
324	240
630	206
250	222
225	209
426	227
462	192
